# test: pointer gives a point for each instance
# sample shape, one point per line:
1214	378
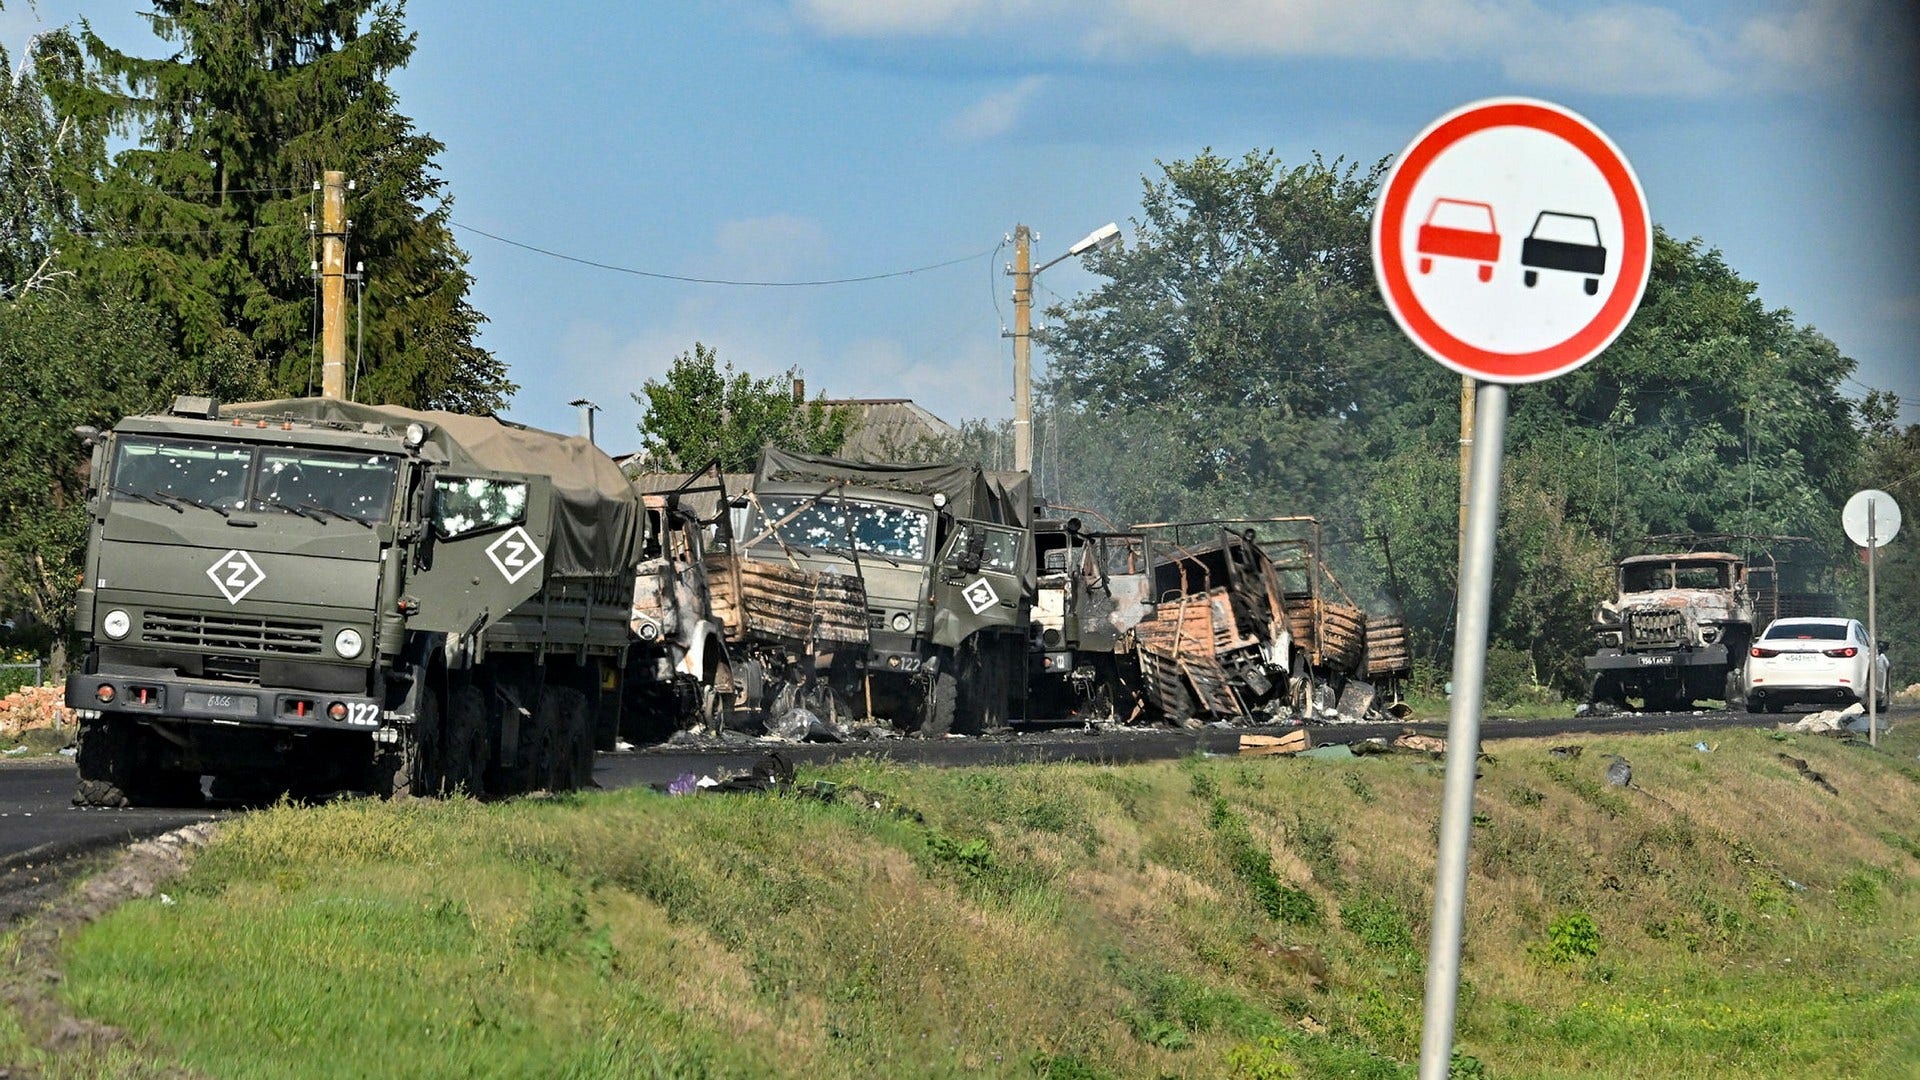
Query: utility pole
1022	349
333	284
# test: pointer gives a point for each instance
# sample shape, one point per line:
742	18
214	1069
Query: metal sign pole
1873	638
1463	733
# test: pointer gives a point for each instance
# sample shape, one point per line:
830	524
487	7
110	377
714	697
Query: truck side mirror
975	552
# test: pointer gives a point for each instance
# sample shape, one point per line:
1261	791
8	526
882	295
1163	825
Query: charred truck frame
315	594
727	637
1092	588
945	554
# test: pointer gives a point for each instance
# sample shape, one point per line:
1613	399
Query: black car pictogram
1569	242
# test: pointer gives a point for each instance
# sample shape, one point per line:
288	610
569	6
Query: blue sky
811	139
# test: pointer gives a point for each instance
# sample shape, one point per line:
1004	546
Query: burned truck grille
1662	629
232	633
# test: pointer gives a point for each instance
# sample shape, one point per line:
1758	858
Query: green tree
703	410
32	207
64	361
1237	361
208	215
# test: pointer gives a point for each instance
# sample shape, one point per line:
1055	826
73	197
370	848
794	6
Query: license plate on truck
231	704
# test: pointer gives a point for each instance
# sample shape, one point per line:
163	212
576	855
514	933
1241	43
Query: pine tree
211	215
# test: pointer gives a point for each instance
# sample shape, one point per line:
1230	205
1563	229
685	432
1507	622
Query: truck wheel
107	760
1736	694
413	768
1606	691
938	702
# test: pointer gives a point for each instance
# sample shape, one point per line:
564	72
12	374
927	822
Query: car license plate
1662	660
1797	657
231	704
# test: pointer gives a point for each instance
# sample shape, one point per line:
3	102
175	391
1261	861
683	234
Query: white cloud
905	18
773	247
997	113
1627	47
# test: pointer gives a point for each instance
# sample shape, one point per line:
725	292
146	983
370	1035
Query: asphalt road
40	827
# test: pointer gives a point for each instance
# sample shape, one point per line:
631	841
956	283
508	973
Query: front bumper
162	695
1617	660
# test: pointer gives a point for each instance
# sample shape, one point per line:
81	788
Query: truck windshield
900	532
236	476
1648	577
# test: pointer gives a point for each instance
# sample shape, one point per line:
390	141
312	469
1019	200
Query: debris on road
1292	742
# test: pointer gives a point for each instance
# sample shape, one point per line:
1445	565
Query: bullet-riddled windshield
318	484
898	532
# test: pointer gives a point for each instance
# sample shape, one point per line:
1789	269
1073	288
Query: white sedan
1811	660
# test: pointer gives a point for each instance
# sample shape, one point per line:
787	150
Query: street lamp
1100	239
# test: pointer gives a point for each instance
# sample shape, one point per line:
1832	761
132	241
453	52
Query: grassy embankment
1254	917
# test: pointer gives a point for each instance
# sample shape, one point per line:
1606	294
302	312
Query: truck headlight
348	643
902	622
116	624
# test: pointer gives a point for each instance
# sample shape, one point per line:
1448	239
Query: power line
715	281
183	232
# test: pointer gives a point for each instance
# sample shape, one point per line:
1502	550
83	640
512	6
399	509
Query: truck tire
414	767
107	760
939	700
1736	692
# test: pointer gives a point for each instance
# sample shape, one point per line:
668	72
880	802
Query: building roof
892	429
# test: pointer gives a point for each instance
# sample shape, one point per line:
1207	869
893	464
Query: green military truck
946	557
314	595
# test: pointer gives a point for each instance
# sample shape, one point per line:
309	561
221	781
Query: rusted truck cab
1675	632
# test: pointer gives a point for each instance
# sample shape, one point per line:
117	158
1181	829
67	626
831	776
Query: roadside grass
39	743
1249	918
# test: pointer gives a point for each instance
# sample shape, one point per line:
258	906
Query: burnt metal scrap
1251	627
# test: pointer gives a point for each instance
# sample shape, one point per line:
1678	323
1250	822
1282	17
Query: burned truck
312	595
1249	626
723	639
1676	632
1092	589
945	556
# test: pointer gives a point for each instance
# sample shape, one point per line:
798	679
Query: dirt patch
29	982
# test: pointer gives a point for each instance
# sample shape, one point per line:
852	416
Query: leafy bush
1572	938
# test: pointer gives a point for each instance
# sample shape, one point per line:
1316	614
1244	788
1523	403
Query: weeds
1070	921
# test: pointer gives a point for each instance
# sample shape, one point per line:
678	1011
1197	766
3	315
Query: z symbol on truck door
235	574
980	596
514	553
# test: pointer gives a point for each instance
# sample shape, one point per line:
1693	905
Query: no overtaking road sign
1512	241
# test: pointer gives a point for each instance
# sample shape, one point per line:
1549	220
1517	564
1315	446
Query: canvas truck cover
1005	498
597	512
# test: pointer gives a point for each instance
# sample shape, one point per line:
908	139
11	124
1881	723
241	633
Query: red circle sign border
1622	300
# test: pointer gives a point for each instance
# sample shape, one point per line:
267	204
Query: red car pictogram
1459	229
